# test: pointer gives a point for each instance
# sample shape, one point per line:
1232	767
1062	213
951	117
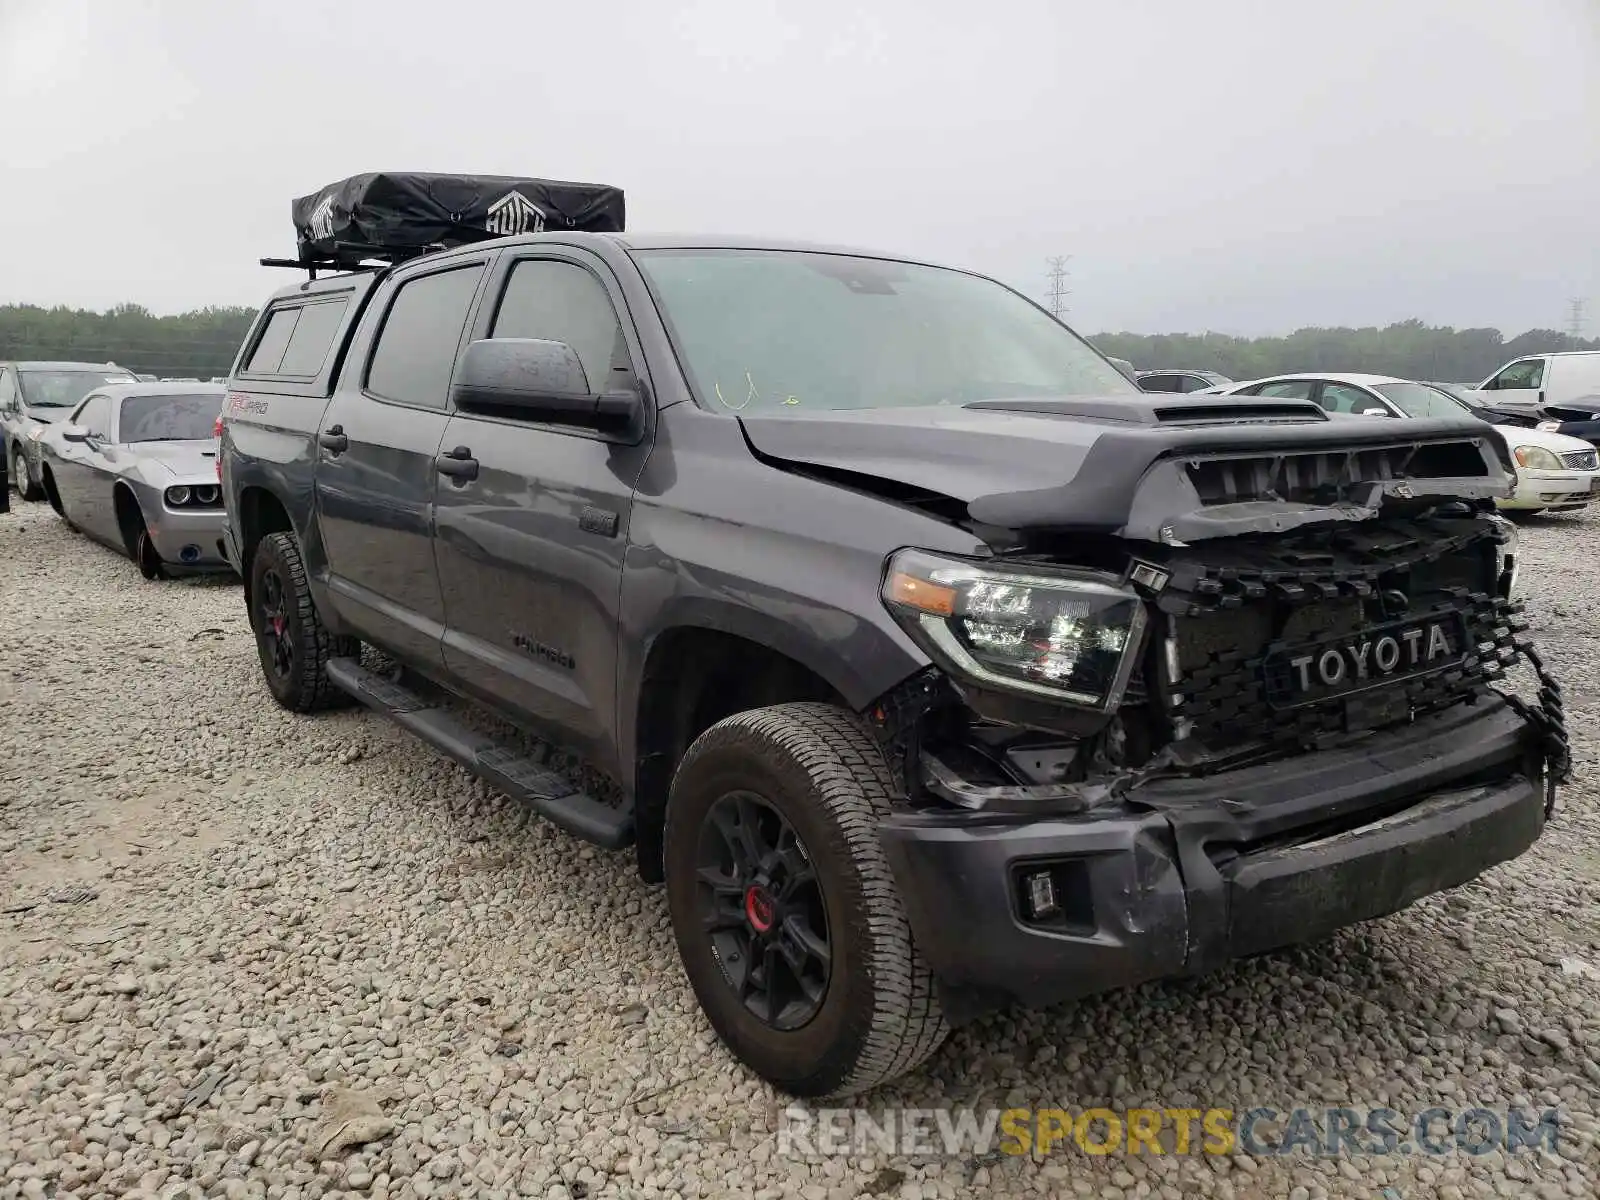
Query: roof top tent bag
391	215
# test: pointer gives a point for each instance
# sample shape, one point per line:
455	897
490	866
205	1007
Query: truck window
297	338
416	351
561	302
274	340
312	337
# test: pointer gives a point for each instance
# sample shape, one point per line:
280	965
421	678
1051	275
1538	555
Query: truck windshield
63	389
795	331
186	417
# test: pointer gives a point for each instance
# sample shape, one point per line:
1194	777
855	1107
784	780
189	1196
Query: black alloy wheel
272	624
783	906
293	643
763	911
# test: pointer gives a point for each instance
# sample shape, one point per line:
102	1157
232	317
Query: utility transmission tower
1575	318
1058	285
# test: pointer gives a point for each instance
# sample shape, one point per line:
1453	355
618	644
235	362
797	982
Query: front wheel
26	488
291	639
783	906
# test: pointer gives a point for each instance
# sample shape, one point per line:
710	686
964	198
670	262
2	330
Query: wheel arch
694	674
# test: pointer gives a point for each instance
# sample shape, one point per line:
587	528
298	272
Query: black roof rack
355	256
373	221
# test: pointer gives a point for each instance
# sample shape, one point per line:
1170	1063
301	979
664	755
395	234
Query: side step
551	795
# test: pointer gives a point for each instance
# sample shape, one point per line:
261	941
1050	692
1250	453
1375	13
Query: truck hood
1127	465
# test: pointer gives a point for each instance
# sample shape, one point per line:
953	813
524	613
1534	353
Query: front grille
1317	476
1582	460
1235	610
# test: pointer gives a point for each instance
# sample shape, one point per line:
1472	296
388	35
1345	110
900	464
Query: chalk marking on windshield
749	395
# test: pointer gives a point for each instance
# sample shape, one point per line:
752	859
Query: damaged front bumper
1180	874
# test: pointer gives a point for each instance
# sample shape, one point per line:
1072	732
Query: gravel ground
253	938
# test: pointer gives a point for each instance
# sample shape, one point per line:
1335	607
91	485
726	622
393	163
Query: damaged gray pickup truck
930	664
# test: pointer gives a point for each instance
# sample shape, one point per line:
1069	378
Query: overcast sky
1244	166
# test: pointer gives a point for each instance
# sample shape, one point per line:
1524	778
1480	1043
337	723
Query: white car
1555	473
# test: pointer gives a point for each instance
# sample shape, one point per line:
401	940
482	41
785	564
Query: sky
1241	166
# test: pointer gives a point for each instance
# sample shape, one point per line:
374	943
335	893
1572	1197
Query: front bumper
1188	873
190	540
1553	489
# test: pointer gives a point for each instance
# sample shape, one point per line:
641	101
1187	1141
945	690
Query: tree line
1409	350
203	344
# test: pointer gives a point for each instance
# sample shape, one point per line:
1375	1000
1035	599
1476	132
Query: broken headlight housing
1070	638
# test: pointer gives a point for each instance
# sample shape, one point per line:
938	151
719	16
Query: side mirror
1374	412
74	433
537	380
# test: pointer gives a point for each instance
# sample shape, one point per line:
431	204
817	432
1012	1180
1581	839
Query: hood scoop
1139	410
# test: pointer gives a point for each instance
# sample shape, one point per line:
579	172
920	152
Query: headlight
1537	458
178	496
206	494
1506	557
1067	638
1549	426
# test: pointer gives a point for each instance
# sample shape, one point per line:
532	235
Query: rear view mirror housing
538	380
74	433
1374	412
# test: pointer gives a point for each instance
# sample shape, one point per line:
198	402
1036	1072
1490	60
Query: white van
1541	379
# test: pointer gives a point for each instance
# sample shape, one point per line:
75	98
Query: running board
551	795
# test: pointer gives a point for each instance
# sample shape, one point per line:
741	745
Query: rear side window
264	359
1159	383
416	351
296	340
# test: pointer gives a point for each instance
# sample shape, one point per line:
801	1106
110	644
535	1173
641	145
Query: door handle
457	464
333	439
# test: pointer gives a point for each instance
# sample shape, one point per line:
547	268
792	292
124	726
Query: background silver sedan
134	466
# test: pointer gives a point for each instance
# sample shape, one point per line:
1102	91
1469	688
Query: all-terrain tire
304	686
823	773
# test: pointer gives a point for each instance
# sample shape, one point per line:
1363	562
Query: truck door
375	472
530	546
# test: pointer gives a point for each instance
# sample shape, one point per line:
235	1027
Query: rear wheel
26	488
291	639
785	913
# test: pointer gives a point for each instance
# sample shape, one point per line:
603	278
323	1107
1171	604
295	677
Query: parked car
1573	420
1125	367
1554	473
1483	406
1537	381
1180	381
929	663
32	396
133	467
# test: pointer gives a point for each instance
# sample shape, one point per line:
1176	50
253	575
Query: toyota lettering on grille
1371	658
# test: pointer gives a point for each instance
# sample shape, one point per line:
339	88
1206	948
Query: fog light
1041	889
189	553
